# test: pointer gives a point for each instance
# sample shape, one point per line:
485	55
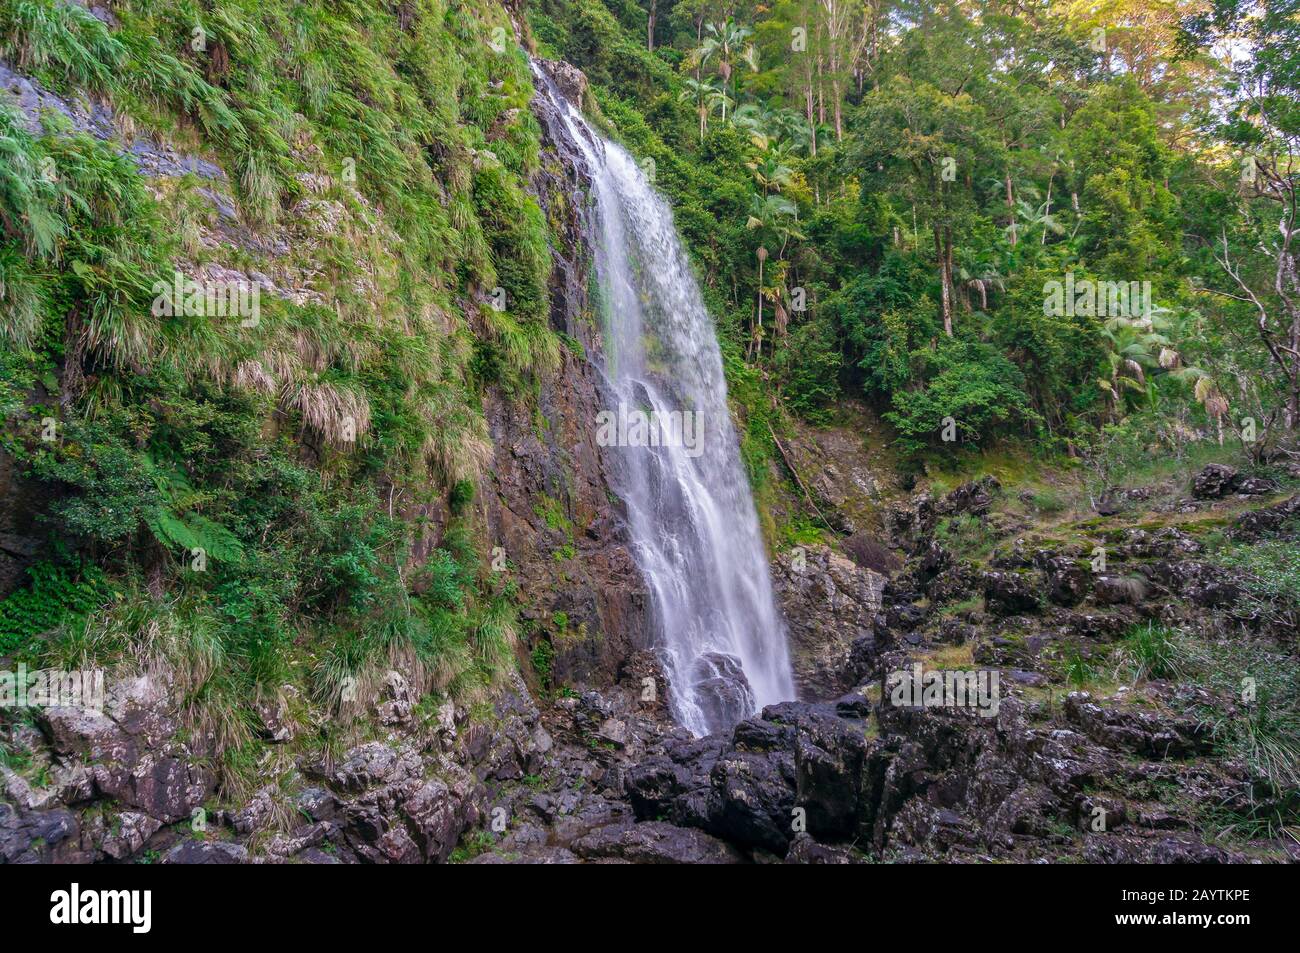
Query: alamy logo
656	428
916	688
134	907
186	298
49	688
1097	299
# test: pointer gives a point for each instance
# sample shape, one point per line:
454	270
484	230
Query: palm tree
1134	345
769	167
775	217
706	95
792	127
754	118
1205	389
725	44
983	279
1040	217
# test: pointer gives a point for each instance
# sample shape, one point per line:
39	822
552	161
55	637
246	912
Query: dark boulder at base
1010	593
721	689
655	842
1213	482
1216	481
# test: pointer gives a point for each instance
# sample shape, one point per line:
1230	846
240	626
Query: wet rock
570	80
829	603
655	842
721	689
677	785
206	852
754	798
833	783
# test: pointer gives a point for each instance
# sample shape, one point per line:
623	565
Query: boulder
655	842
1213	482
974	497
1067	581
1011	593
829	603
721	689
1119	590
1262	522
206	852
1144	733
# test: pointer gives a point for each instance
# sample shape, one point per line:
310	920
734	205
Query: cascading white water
694	529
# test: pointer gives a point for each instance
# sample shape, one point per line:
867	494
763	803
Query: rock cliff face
549	503
831	607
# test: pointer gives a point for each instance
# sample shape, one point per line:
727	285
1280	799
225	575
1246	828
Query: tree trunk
1047	209
839	125
74	355
1011	210
943	251
821	99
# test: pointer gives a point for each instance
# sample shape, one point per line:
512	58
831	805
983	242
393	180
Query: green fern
64	38
58	592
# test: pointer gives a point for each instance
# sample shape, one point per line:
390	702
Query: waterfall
694	530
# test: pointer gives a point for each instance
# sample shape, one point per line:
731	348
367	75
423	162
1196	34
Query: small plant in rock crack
965	534
1154	652
1080	670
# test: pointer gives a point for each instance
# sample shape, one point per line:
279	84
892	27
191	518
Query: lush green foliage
916	177
249	487
58	592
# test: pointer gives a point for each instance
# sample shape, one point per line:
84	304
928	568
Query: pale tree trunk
839	125
808	106
821	100
1011	210
1047	209
943	251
